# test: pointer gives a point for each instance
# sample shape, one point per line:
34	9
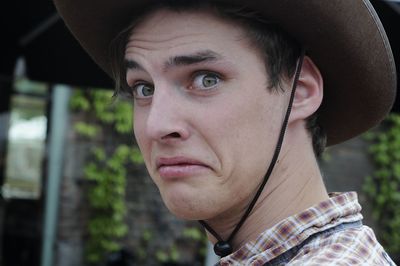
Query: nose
166	119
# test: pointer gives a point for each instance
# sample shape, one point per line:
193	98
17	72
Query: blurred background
74	190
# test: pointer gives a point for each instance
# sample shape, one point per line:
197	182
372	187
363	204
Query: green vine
106	110
106	174
106	171
198	236
87	130
383	187
168	256
193	236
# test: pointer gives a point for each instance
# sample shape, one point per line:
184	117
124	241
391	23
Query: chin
186	205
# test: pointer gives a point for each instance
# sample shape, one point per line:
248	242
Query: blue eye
142	90
206	81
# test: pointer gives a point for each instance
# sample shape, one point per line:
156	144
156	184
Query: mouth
177	167
179	160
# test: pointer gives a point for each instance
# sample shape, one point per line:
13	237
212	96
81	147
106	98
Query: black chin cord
223	248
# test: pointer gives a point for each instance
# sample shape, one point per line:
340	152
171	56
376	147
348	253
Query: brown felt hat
345	39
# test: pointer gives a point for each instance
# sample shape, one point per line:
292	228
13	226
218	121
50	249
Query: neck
294	186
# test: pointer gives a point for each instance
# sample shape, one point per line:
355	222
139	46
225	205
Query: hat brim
345	39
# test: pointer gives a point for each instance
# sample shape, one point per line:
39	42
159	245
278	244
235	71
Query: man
228	114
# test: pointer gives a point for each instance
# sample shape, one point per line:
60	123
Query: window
26	141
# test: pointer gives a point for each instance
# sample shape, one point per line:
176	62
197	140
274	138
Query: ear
309	92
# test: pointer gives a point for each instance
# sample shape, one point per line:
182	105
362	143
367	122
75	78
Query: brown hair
279	49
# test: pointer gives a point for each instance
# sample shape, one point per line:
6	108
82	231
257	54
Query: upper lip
177	160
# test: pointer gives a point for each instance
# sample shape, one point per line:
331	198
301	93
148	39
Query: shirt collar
292	231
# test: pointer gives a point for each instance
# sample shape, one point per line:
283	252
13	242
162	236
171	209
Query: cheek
138	128
142	140
242	127
243	136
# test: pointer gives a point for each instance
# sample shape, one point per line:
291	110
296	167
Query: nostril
172	135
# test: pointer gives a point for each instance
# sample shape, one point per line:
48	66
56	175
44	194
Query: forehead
168	29
163	19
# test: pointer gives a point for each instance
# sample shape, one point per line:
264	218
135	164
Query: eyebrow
180	60
191	59
131	64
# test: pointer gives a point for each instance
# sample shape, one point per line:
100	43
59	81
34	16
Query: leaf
79	102
383	188
86	130
136	156
161	256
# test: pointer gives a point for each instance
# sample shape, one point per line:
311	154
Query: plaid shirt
330	233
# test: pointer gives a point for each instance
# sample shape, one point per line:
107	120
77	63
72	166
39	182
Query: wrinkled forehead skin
359	85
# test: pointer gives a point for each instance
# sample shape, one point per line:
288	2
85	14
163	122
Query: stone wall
344	168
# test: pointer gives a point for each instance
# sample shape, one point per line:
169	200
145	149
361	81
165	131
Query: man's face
204	119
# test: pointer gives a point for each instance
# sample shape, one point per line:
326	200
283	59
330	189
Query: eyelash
126	92
197	74
130	93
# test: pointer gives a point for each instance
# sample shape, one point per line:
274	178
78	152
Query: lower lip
180	171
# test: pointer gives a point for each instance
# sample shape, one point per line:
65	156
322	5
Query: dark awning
34	30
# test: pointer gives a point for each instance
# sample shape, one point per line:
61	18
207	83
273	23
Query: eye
142	90
204	81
